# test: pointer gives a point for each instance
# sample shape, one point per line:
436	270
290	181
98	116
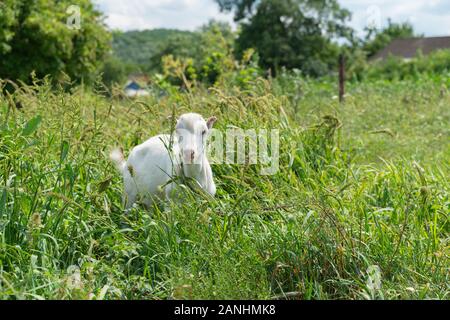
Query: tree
139	48
205	55
114	71
290	33
181	46
377	40
35	37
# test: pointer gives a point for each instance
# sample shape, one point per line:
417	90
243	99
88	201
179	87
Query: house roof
133	85
408	48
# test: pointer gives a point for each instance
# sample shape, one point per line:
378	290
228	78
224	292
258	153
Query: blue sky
430	17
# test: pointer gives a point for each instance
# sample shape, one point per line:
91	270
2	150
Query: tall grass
350	197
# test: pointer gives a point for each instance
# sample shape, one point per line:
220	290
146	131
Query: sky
429	17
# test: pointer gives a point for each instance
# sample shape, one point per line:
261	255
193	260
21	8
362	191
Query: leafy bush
214	64
395	68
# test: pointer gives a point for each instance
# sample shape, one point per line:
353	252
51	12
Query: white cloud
148	14
431	17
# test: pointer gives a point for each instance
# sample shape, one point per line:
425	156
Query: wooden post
341	77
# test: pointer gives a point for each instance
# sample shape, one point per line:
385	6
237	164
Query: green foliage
436	64
315	229
115	71
209	59
34	37
377	40
291	33
361	185
144	49
31	125
178	72
248	70
8	19
213	67
216	52
356	64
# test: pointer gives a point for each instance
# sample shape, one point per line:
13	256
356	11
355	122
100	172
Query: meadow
359	208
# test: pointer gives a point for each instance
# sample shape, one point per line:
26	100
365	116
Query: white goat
151	166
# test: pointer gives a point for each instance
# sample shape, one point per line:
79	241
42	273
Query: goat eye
203	132
180	138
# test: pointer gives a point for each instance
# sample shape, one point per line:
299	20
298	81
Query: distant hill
137	47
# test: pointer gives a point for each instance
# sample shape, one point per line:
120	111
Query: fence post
341	77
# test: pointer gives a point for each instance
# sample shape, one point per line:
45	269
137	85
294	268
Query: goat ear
211	121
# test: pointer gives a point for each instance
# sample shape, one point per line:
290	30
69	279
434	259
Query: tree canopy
139	47
35	36
290	33
376	40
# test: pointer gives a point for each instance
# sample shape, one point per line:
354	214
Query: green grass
366	185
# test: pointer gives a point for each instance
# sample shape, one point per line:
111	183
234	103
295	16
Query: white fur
150	166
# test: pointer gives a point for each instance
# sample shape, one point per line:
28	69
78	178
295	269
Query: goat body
151	166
